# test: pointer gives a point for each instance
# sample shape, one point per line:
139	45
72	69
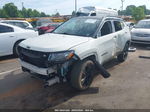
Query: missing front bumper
35	69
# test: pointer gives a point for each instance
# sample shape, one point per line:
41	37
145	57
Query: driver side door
7	39
106	42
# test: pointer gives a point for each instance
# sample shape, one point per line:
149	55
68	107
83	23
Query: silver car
141	32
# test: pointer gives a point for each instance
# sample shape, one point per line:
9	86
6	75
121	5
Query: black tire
82	75
15	49
123	56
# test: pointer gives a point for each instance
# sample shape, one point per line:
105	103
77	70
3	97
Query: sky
65	7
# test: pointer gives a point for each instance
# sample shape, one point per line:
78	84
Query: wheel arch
18	41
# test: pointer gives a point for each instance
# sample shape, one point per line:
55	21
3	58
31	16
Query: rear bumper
35	69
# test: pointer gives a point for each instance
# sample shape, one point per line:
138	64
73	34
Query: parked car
47	28
141	32
11	36
72	51
43	22
19	23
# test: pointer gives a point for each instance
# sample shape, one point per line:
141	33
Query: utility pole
75	6
122	1
22	5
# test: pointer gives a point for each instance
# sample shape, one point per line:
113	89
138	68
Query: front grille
36	58
142	35
141	41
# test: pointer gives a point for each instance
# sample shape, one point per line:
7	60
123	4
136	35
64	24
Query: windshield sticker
90	21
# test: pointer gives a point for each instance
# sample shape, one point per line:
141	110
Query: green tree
29	13
129	10
11	10
138	13
122	12
24	12
20	14
3	14
35	13
43	14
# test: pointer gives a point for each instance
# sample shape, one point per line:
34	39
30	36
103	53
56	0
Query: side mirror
99	34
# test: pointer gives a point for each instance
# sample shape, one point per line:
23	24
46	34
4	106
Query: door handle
11	36
115	36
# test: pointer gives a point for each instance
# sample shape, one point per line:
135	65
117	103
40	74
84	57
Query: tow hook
102	70
52	81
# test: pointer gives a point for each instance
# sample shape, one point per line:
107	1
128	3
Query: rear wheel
123	56
82	75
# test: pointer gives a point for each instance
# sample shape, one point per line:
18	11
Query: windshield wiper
65	33
62	33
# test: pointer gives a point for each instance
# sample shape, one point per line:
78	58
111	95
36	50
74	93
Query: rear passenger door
120	33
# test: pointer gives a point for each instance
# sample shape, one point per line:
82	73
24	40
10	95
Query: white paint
8	39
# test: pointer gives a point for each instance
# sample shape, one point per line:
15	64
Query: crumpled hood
53	42
141	30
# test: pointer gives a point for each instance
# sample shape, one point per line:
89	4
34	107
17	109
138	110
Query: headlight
60	57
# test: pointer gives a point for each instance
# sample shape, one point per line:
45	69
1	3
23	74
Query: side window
20	24
5	29
106	29
118	25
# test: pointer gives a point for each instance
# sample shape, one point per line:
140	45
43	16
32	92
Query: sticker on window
90	21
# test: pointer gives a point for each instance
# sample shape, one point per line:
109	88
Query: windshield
79	27
143	24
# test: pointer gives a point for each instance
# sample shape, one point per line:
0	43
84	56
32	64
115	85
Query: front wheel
123	56
82	75
15	49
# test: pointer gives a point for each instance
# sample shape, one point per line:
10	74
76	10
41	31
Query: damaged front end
52	67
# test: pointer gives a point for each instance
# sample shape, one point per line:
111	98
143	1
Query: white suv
71	51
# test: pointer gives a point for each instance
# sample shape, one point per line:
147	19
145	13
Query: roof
114	18
13	21
98	17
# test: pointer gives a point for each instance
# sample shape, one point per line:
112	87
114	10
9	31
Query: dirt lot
127	88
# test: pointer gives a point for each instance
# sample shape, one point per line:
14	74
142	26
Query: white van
96	11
